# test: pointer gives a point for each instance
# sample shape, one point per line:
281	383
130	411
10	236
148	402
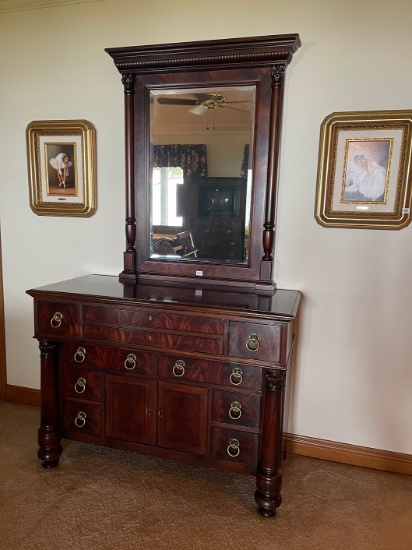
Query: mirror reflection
201	173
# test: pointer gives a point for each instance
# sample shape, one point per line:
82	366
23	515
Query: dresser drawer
57	319
260	342
235	446
236	408
210	372
85	355
82	417
154	339
151	318
109	358
82	383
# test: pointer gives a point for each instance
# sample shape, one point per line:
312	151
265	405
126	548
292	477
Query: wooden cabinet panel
260	342
236	408
131	409
182	417
57	319
235	446
155	319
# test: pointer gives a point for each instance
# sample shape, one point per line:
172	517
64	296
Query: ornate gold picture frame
364	170
62	167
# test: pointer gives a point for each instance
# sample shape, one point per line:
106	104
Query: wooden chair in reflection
182	245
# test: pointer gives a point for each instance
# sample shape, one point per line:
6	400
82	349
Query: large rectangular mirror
201	173
202	128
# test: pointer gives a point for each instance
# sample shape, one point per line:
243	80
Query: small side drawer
211	372
81	383
82	417
85	355
236	408
56	319
179	368
235	446
135	362
260	342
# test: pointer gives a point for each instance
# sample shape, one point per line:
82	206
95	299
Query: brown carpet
106	499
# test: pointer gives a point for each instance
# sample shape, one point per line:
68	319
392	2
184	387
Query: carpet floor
105	499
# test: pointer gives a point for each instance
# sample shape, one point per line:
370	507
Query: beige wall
352	380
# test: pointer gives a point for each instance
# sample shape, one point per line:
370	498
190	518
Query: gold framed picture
364	178
62	167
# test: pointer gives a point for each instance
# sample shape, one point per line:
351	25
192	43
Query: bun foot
50	449
267	505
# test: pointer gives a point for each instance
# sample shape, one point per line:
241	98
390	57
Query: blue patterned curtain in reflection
245	161
192	159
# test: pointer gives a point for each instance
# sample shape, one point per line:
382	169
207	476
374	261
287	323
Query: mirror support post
129	256
278	74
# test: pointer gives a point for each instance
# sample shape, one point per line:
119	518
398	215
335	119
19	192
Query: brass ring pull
235	411
80	355
130	361
233	449
56	320
253	343
179	368
80	385
80	419
236	376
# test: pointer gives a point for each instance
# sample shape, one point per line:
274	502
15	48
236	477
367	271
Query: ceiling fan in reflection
202	102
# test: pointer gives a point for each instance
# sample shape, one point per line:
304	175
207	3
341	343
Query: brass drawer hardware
80	419
80	385
80	355
235	411
236	376
233	449
179	368
253	343
130	361
56	320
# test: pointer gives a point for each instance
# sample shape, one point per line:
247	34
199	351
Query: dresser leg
269	474
49	436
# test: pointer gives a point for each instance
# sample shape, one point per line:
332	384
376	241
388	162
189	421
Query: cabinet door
131	409
182	417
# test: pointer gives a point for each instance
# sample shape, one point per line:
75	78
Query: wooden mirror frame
259	61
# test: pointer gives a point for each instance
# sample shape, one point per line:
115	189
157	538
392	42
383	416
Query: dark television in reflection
224	200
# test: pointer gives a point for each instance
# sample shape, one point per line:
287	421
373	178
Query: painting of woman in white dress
367	171
61	175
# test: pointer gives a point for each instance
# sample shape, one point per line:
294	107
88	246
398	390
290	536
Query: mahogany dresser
188	374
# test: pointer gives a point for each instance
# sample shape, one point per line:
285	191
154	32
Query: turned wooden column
49	436
278	76
269	474
129	256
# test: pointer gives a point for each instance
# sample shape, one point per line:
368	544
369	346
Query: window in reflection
165	182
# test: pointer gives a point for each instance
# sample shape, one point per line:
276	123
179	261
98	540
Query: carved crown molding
23	5
207	55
